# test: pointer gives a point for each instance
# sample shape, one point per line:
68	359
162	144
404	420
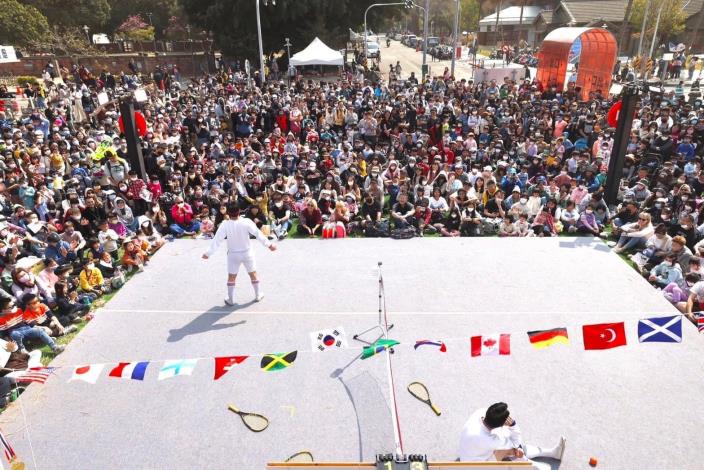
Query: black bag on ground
403	233
380	229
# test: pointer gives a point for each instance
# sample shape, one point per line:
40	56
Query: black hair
5	302
26	299
233	209
496	415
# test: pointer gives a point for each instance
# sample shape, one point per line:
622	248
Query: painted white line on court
492	312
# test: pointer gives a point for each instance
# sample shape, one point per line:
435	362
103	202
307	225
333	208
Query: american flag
35	374
700	323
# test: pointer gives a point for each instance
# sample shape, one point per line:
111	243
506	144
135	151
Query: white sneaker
259	297
228	303
611	244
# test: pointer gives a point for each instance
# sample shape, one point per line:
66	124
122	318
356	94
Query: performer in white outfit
236	231
491	434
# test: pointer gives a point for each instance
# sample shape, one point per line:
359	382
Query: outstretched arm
254	230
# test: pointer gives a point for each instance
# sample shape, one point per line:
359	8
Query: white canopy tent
317	53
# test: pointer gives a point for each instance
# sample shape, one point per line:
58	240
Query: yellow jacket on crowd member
91	278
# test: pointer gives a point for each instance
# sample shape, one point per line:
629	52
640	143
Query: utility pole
454	38
424	68
624	26
642	35
496	25
520	22
695	31
655	33
134	150
153	31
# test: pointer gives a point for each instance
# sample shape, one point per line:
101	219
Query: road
411	61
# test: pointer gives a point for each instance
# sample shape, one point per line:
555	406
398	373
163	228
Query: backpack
403	233
380	229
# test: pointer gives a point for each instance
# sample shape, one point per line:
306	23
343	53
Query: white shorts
236	259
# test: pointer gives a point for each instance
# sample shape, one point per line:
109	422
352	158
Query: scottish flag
660	330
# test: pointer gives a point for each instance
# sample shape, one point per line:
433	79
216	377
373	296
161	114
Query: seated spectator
108	239
587	223
310	222
68	308
507	228
403	213
91	279
667	272
35	313
24	282
12	362
13	325
635	235
569	217
471	220
182	215
133	257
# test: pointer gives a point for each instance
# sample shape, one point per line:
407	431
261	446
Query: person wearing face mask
669	271
24	282
587	223
280	217
91	280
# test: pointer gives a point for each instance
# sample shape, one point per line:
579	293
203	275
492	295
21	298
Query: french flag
130	370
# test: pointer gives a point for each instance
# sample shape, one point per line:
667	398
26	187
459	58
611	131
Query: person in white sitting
492	434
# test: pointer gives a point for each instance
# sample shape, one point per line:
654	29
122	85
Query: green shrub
25	79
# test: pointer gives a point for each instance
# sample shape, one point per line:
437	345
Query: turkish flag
491	345
223	364
604	335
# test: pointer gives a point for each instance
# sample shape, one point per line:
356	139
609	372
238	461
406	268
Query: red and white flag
224	364
491	345
88	373
700	323
604	335
35	375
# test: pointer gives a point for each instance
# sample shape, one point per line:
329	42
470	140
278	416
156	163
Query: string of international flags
667	329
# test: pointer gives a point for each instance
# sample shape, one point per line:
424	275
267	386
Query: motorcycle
388	42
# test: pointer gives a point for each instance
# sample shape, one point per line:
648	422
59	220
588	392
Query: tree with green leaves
161	13
21	25
234	26
68	13
672	17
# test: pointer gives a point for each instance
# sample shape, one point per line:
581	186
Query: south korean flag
324	340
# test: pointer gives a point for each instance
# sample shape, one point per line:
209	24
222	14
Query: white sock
532	451
255	285
231	291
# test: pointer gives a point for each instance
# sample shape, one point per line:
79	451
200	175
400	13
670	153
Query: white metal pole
262	77
454	38
642	28
655	33
425	37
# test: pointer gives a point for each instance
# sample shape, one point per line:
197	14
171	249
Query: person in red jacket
182	215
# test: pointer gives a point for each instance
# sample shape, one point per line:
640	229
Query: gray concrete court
633	407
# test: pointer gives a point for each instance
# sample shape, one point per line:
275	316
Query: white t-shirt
478	443
237	233
698	290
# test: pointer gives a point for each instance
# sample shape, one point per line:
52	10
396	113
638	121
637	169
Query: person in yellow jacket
91	279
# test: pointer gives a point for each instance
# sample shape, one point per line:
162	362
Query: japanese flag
88	373
491	345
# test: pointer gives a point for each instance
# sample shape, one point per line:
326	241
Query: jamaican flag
277	361
378	347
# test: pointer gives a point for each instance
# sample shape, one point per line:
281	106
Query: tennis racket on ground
420	391
303	456
253	421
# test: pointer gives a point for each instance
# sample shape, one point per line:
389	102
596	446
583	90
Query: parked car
373	50
412	41
432	42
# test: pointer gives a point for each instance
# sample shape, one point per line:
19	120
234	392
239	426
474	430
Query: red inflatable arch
595	64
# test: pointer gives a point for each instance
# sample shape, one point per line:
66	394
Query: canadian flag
87	373
491	345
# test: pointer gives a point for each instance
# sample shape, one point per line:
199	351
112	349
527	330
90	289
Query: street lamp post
288	45
153	32
262	76
406	3
454	38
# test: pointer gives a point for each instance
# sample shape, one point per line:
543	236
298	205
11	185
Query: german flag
541	339
272	362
